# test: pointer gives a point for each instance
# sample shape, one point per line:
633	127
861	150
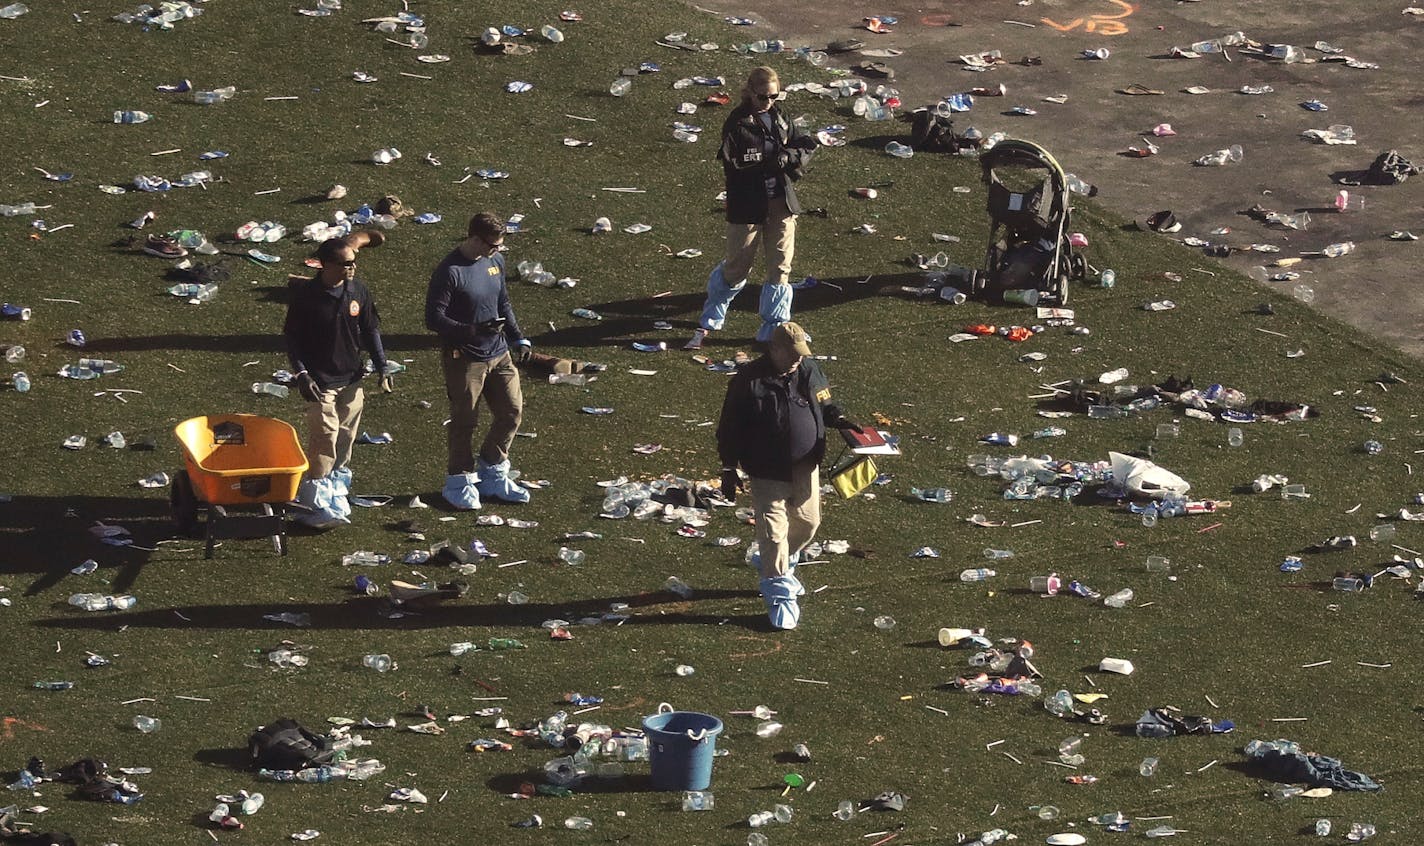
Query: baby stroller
1029	252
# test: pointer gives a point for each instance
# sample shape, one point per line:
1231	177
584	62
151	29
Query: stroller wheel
1077	267
1060	291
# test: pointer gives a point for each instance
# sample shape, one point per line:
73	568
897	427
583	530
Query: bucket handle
662	705
697	736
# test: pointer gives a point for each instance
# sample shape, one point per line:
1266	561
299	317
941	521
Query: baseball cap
790	336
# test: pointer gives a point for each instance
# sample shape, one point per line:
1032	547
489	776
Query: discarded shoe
164	247
1162	221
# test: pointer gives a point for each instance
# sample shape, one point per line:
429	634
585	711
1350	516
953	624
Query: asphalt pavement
1090	132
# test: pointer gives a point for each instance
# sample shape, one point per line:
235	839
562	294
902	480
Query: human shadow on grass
509	783
632	319
364	613
264	342
49	535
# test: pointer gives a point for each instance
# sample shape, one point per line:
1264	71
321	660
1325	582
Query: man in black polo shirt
773	424
331	318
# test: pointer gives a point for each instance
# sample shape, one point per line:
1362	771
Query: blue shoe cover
495	483
322	504
780	596
719	298
775	309
460	491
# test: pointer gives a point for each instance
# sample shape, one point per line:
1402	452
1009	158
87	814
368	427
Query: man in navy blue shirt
468	306
331	318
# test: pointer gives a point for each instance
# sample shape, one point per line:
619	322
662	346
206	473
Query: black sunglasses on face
766	98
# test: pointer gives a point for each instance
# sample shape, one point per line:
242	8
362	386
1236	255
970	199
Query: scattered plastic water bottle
1373	447
53	685
147	725
458	649
684	670
21	381
899	151
365	558
131	117
381	663
678	586
578	823
845	810
586	314
932	494
1147	768
977	574
760	818
551	33
992	554
1119	599
1079	186
684	135
884	622
620	86
1360	831
1322	827
271	389
1348	584
14	10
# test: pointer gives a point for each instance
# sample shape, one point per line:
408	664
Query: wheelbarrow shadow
49	535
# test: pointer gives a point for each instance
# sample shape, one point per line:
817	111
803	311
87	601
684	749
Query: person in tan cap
773	426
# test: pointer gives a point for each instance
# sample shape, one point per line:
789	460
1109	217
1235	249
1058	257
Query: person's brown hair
486	226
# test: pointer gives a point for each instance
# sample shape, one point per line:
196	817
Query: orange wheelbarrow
243	470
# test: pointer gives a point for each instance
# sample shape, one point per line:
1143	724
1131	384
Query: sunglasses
767	98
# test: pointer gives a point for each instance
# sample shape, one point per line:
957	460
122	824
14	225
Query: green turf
1230	627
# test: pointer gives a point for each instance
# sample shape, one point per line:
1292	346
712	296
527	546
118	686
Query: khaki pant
332	422
777	235
787	516
466	383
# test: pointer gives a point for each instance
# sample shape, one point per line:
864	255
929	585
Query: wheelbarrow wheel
185	505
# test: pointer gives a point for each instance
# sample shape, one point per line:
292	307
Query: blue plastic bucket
681	746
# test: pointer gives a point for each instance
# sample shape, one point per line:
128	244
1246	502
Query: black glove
730	482
522	353
307	387
846	423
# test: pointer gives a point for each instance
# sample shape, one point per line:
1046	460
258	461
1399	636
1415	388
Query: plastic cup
1048	585
1235	437
1383	533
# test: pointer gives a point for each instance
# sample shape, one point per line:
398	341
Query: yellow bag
854	477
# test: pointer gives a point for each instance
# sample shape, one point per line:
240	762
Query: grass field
1228	629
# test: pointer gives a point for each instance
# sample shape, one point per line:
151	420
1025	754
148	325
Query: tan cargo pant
466	383
787	516
332	424
777	236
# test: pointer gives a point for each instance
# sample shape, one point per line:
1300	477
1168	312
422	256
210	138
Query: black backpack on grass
287	745
932	133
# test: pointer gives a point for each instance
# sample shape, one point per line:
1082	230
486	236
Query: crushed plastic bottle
1230	155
